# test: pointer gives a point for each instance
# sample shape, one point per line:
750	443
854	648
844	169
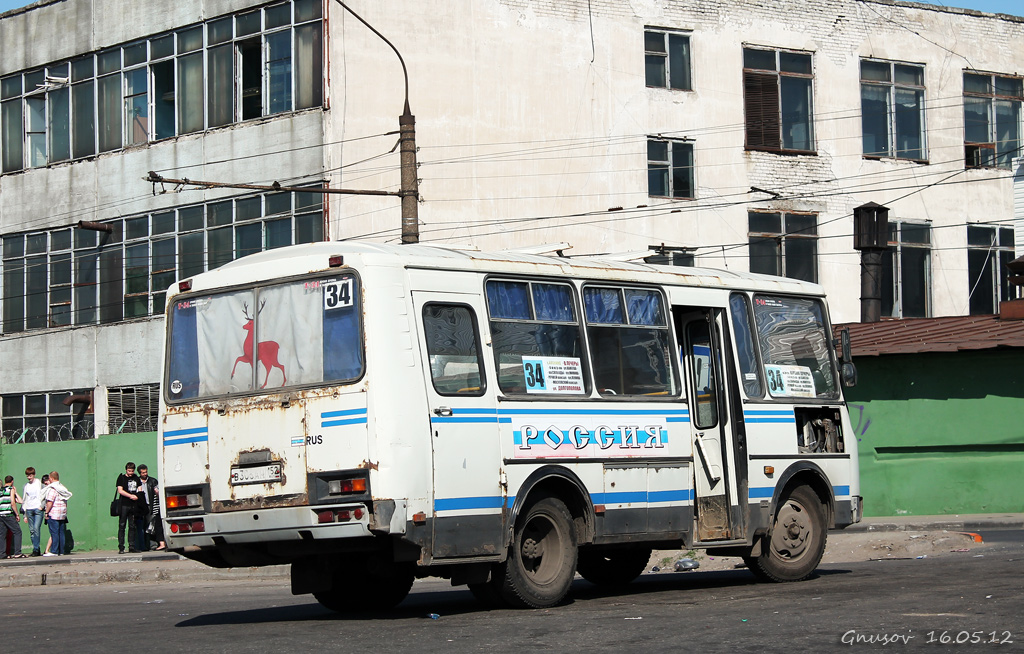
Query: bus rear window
301	333
794	347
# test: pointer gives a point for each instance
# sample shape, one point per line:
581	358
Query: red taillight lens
183	527
324	516
174	527
198	525
357	514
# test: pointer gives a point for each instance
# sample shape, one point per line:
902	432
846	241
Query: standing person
150	488
56	498
9	519
147	496
128	487
32	507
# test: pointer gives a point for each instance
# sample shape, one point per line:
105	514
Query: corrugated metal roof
951	334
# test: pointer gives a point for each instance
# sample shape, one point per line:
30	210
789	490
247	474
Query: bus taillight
184	501
341	486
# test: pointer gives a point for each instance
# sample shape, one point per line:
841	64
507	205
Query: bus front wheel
796	542
541	561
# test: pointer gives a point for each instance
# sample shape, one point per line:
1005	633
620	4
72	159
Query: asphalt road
912	603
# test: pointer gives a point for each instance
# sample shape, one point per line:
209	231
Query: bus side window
702	370
453	348
745	350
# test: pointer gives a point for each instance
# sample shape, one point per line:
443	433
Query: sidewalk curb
932	523
136	575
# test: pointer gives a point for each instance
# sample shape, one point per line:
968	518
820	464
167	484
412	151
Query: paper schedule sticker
563	375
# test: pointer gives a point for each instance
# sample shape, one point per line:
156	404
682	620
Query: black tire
796	542
378	587
541	561
612	567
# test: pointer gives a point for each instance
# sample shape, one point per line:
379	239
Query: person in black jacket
128	487
151	509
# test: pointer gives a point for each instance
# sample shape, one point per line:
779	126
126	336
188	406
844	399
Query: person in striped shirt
56	498
9	520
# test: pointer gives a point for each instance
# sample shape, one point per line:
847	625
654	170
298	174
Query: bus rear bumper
299	523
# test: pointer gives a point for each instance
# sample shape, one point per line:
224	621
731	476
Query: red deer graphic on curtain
266	353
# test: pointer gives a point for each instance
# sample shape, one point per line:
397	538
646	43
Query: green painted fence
89	468
940	433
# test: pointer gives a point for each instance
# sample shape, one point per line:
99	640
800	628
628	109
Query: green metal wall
940	433
89	468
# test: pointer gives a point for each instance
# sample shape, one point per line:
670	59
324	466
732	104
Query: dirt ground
847	548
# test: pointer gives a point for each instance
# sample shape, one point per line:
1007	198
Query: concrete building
738	134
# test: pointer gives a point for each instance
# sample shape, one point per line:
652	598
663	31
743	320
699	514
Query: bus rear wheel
612	567
796	542
374	587
541	561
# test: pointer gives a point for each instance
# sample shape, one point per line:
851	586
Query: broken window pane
136	106
251	56
163	99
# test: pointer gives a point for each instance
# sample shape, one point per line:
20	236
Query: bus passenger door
468	498
709	421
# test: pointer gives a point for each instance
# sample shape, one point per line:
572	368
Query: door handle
443	411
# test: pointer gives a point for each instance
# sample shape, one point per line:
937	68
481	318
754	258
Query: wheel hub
531	548
792	531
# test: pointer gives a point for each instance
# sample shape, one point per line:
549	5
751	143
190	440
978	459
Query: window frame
763	103
894	269
997	255
974	151
102	264
668	79
481	390
673	368
892	121
782	255
580	336
256	289
668	167
87	120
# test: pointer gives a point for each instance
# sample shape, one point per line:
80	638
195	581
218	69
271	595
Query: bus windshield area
794	347
299	333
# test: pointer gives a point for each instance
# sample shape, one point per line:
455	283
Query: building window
80	277
670	169
784	244
777	100
906	271
226	70
991	119
44	417
892	109
989	250
667	59
133	409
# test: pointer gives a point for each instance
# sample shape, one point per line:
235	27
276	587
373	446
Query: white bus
370	414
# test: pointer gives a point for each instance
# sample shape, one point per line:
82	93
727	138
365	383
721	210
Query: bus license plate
256	474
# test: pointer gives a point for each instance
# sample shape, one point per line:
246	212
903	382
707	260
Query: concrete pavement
100	567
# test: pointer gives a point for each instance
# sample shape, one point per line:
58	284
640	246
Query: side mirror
848	374
844	340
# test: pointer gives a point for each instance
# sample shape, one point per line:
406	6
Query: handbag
151	523
115	505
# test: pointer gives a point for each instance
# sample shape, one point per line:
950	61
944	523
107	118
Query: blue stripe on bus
616	436
764	492
622	497
345	412
465	419
341	423
677	419
840	490
593	412
464	503
188	439
185	432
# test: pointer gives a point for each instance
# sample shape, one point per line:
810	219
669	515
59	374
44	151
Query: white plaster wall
532	119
